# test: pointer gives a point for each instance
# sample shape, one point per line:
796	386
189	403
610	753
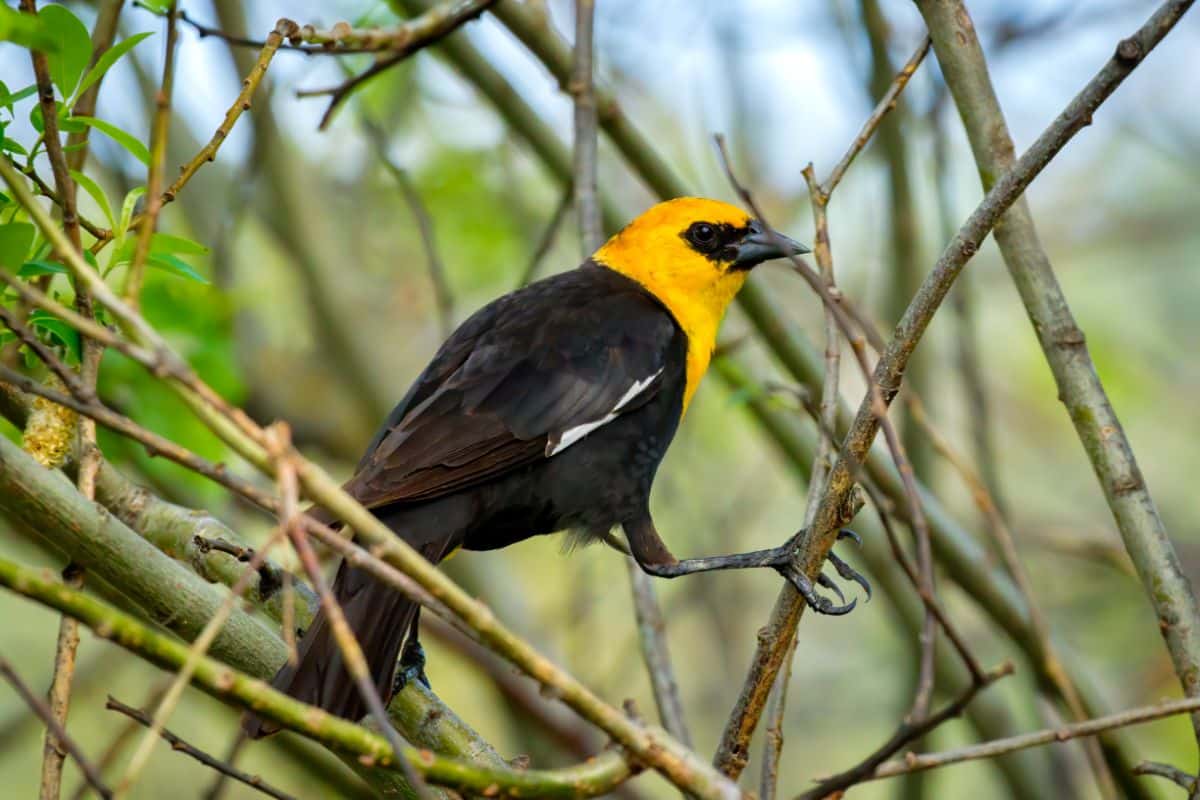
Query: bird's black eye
703	236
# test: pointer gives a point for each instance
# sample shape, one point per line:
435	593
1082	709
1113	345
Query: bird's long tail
379	617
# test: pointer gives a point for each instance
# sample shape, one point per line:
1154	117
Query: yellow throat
695	288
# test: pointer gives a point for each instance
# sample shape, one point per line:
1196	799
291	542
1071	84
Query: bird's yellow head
694	255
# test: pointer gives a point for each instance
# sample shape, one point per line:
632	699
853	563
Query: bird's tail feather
379	617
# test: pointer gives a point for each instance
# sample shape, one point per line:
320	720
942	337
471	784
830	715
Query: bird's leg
655	558
412	659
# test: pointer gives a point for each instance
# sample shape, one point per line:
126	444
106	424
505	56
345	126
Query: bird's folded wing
519	382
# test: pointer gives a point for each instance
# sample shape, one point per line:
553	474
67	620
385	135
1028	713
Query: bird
547	410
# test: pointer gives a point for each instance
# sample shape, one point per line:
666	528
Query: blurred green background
308	230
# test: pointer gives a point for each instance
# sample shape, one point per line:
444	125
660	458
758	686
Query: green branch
598	776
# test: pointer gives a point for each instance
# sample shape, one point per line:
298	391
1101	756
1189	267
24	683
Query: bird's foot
411	667
815	601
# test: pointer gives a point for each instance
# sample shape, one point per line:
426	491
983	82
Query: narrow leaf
127	208
175	266
123	138
110	57
167	243
15	240
93	189
32	269
57	329
74	47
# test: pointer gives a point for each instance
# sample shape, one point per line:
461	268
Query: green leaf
74	47
96	194
59	330
15	240
175	266
167	243
9	99
127	208
26	30
110	57
126	140
66	123
10	146
32	269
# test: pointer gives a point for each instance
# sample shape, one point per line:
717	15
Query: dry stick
1079	386
826	417
759	695
429	28
291	524
180	745
652	635
60	733
159	128
817	542
437	270
549	234
653	746
913	762
250	83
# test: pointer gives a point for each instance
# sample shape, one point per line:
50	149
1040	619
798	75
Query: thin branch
908	731
652	634
885	104
1138	716
1189	783
433	259
1096	423
819	539
429	28
178	744
242	103
160	126
584	153
60	733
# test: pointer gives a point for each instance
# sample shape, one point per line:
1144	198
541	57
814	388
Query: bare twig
652	634
159	128
1189	783
818	540
580	88
913	762
885	104
52	723
180	745
908	731
429	28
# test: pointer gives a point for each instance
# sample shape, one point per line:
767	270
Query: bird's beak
763	244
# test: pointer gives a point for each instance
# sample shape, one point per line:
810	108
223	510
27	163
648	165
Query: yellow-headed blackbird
549	409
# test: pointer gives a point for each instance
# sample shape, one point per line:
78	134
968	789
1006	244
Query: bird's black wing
522	379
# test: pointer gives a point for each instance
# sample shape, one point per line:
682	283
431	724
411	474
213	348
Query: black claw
846	533
822	605
850	573
412	667
832	586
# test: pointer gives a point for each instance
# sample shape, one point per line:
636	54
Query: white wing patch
573	435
